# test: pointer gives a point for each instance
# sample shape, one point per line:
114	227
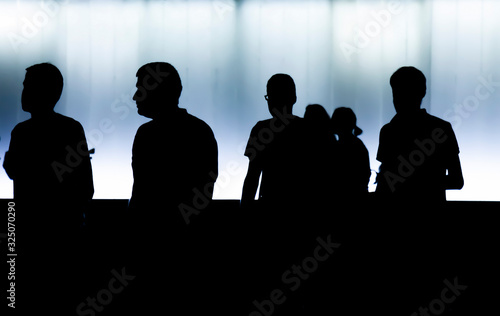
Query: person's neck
282	111
167	112
42	115
409	114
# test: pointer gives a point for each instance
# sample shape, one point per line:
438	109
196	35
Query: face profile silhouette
43	85
158	89
408	89
281	94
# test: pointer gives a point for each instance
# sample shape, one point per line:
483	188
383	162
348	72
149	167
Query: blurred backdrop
340	53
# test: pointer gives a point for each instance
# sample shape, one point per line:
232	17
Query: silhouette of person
174	156
321	155
353	162
418	152
269	145
278	148
318	126
419	157
175	166
58	168
289	157
49	162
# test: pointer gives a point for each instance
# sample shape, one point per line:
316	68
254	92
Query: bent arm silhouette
251	183
454	179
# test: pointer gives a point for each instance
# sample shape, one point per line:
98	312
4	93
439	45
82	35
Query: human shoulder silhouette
418	152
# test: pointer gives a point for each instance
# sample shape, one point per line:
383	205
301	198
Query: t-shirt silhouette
174	160
48	160
294	159
415	153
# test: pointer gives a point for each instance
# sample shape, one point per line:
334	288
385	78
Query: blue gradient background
225	51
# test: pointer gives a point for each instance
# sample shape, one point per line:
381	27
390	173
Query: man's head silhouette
408	89
158	89
43	85
280	94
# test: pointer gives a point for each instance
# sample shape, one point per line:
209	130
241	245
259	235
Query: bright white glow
340	53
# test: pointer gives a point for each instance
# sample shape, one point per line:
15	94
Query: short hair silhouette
281	88
344	119
43	87
159	85
166	75
317	113
409	88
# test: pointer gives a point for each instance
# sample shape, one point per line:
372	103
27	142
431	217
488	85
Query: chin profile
143	112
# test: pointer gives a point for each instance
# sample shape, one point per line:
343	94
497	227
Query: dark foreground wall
228	261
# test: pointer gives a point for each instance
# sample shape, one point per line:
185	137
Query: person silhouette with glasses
290	156
271	146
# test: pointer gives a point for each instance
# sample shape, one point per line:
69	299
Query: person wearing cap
353	163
